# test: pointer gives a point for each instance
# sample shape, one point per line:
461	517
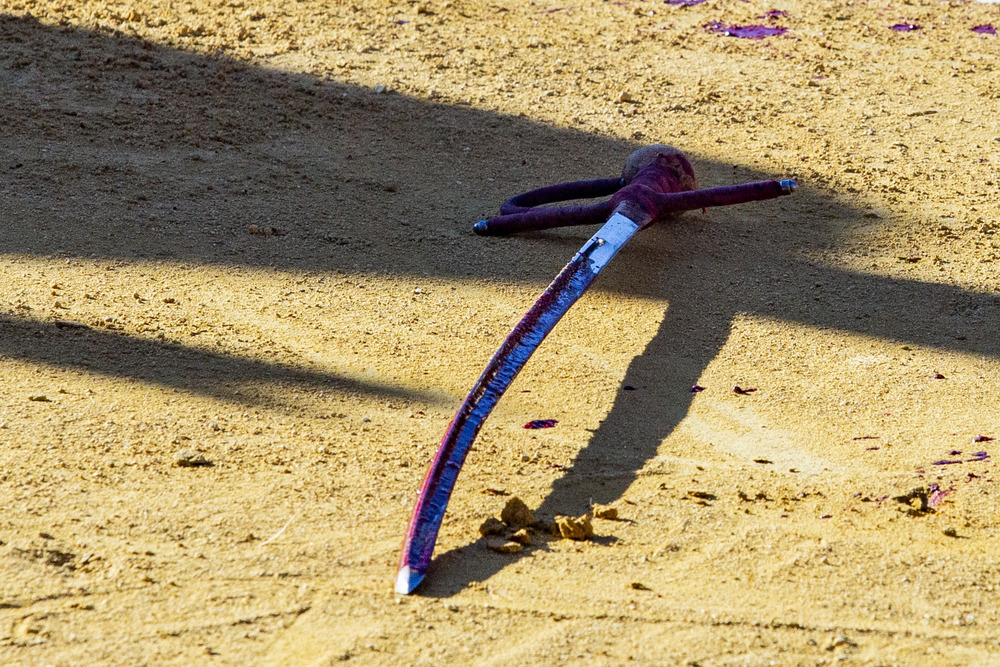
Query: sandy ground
317	367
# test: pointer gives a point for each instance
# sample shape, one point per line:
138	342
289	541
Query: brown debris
502	546
522	536
605	512
516	514
492	526
570	528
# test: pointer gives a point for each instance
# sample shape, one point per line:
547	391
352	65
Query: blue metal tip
481	227
788	186
407	580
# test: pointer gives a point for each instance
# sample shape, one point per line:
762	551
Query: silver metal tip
787	186
481	227
407	580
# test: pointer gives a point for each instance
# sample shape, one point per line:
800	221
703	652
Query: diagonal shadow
221	376
176	154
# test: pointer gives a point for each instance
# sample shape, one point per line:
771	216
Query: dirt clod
522	536
516	514
189	458
492	526
502	546
605	512
573	528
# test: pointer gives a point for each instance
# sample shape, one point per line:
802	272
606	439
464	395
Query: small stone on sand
605	512
516	514
578	528
492	526
188	458
502	546
522	536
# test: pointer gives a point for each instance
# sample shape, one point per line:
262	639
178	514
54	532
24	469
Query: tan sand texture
241	301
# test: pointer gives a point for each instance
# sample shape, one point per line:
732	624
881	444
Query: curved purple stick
518	214
432	501
599	187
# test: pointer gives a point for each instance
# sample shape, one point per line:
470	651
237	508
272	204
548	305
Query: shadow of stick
624	442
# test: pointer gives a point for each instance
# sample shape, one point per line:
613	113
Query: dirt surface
212	438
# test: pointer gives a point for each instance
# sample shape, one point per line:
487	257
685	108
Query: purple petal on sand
985	29
695	389
541	423
944	462
684	3
954	452
982	438
746	31
937	495
905	27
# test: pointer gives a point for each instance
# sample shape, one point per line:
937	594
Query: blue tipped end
407	580
788	186
481	228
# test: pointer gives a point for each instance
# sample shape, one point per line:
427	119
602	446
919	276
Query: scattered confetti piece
743	392
938	376
936	494
865	437
985	29
541	423
954	452
978	456
746	31
684	3
696	388
905	27
945	462
982	438
773	14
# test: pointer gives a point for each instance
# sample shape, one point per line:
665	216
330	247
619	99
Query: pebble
605	512
40	398
522	536
492	526
70	324
502	546
624	96
188	458
516	514
950	532
838	641
569	528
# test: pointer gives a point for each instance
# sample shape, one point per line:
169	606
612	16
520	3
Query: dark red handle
663	185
